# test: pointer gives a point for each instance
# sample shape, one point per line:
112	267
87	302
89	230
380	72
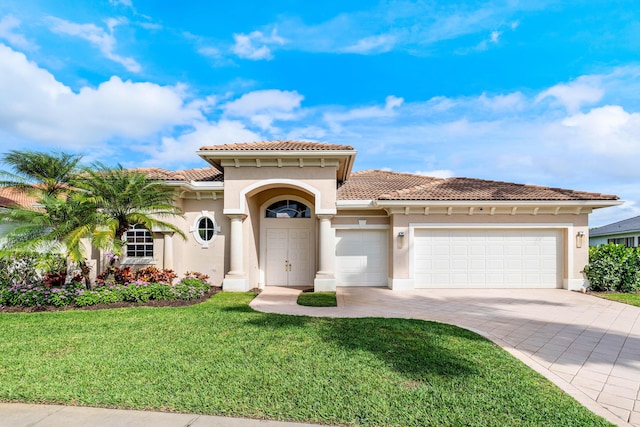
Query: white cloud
263	107
105	41
494	37
605	130
572	96
373	44
210	51
37	107
256	45
8	25
437	173
391	104
180	150
127	3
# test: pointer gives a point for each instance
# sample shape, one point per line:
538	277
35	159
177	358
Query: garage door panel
524	258
361	257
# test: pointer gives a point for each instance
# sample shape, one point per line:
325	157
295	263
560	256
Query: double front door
289	257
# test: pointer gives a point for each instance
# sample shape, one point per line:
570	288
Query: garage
487	258
362	257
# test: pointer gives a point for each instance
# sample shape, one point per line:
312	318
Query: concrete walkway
588	346
28	415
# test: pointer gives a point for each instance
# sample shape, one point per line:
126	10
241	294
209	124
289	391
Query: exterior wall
188	254
570	225
238	180
602	240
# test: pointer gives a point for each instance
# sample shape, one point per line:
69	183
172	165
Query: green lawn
221	357
632	299
318	299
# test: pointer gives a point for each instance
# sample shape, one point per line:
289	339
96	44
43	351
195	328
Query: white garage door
361	257
487	258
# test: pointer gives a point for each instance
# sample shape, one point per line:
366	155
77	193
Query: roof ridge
278	144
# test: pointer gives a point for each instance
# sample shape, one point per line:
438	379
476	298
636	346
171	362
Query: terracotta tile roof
277	146
10	196
369	185
383	185
200	174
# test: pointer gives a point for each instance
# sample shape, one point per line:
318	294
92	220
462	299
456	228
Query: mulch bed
153	303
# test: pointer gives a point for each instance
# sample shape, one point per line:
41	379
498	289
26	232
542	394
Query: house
8	197
293	213
625	232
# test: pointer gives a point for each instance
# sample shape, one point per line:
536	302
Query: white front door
289	260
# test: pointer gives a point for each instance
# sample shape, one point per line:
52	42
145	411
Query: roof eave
594	204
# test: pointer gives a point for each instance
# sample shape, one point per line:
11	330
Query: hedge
613	268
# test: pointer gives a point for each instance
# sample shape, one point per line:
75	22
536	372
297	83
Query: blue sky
535	92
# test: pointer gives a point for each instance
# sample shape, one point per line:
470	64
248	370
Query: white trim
489	225
355	204
194	229
138	261
293	182
401	284
197	185
360	227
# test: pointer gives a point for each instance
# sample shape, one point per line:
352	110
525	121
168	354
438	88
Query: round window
205	229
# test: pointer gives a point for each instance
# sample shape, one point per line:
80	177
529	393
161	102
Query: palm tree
57	224
126	198
50	173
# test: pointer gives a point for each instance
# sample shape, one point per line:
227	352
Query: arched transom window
288	209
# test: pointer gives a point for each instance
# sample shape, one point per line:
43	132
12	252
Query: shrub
613	268
125	275
190	288
73	293
28	268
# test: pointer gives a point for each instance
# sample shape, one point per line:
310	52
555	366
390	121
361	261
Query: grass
631	299
221	357
318	299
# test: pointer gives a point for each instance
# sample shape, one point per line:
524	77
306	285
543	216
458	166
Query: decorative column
236	280
325	279
167	253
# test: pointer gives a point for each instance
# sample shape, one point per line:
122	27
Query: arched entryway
287	248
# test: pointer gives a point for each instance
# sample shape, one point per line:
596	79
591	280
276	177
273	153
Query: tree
48	173
125	198
57	224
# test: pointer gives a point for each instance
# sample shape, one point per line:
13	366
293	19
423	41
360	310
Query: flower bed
192	286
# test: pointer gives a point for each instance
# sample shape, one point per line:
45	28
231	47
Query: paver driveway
588	346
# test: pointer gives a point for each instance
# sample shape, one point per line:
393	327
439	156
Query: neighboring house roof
10	197
384	185
277	146
625	226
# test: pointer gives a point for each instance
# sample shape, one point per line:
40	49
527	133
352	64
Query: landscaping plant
613	268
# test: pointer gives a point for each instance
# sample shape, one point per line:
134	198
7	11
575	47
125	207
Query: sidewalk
30	415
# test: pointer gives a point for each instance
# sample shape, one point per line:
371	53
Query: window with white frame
205	229
139	242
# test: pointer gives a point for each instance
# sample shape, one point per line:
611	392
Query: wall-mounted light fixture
400	239
579	239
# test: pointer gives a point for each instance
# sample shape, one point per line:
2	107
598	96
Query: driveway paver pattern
588	346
